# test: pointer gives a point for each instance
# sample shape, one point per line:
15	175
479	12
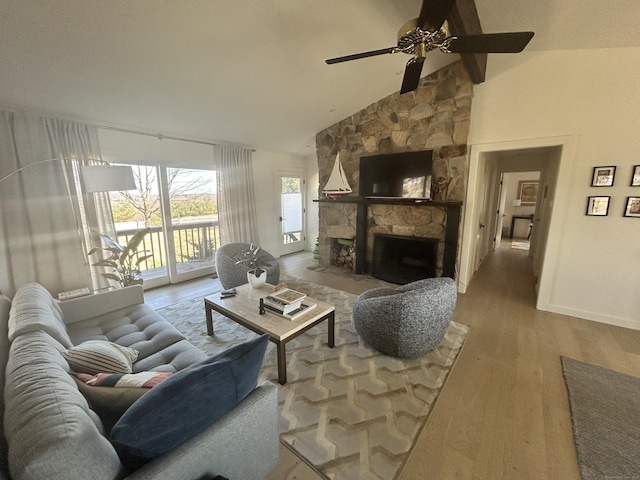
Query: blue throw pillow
187	402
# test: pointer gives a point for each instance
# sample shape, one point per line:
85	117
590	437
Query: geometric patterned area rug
350	411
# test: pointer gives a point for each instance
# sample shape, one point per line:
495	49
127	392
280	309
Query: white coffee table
243	308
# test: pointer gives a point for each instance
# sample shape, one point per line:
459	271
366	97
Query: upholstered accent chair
407	321
233	275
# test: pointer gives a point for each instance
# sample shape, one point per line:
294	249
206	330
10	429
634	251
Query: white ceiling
246	71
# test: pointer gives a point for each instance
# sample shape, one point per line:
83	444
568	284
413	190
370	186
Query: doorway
292	212
553	157
517	204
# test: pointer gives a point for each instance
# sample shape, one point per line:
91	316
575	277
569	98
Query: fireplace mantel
390	200
451	231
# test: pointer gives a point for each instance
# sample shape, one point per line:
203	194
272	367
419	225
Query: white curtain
236	195
45	221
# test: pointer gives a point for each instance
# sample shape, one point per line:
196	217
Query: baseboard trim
595	317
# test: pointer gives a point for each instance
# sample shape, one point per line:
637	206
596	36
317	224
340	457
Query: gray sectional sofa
49	430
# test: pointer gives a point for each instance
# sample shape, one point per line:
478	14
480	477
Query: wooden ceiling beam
463	20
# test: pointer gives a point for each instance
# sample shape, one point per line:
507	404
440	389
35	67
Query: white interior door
291	237
482	194
500	214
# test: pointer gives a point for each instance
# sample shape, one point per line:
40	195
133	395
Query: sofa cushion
110	395
110	403
48	423
187	403
161	347
124	380
98	356
34	309
5	307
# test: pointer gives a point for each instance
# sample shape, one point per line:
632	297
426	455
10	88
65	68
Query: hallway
504	411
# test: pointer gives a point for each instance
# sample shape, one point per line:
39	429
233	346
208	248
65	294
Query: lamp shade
107	178
517	202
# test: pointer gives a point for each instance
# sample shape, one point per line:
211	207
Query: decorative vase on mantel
256	281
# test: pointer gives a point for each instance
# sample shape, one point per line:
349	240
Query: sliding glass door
191	214
179	205
136	209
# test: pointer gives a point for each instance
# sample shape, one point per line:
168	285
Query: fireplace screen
402	260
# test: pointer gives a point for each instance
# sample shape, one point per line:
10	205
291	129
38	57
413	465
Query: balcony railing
194	242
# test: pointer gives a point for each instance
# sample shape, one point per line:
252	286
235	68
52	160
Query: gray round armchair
407	321
232	275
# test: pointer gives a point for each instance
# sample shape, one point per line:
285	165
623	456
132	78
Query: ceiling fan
430	31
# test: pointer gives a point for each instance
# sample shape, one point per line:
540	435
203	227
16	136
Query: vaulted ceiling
246	71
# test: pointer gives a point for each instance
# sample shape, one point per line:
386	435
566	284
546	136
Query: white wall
590	95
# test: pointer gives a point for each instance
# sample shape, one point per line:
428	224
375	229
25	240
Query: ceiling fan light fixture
411	36
430	31
421	51
446	45
408	30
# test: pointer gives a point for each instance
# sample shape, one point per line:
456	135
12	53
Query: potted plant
124	259
257	276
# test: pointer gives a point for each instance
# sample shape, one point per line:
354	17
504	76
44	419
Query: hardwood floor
504	412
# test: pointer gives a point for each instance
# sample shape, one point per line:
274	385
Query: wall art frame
528	191
632	208
603	176
635	176
598	206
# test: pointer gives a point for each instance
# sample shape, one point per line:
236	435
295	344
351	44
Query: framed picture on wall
598	206
528	192
603	176
633	207
635	177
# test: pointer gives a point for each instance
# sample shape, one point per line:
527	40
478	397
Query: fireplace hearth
399	259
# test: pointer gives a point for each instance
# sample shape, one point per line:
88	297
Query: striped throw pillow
100	356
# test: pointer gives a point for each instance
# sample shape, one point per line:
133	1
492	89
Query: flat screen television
396	175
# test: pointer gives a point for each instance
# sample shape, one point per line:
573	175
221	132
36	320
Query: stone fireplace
433	117
436	221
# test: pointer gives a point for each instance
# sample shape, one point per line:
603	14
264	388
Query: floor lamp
107	178
94	178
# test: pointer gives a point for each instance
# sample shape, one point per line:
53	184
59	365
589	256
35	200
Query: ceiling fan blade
513	42
433	13
356	56
412	75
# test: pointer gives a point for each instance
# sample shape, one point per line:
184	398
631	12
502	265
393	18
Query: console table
518	217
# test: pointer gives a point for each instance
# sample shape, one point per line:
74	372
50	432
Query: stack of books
288	303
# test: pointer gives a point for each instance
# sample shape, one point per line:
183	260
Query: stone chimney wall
434	117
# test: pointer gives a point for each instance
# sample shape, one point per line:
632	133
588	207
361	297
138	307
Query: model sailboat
337	184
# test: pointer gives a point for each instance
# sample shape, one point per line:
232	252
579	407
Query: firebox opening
402	260
343	253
